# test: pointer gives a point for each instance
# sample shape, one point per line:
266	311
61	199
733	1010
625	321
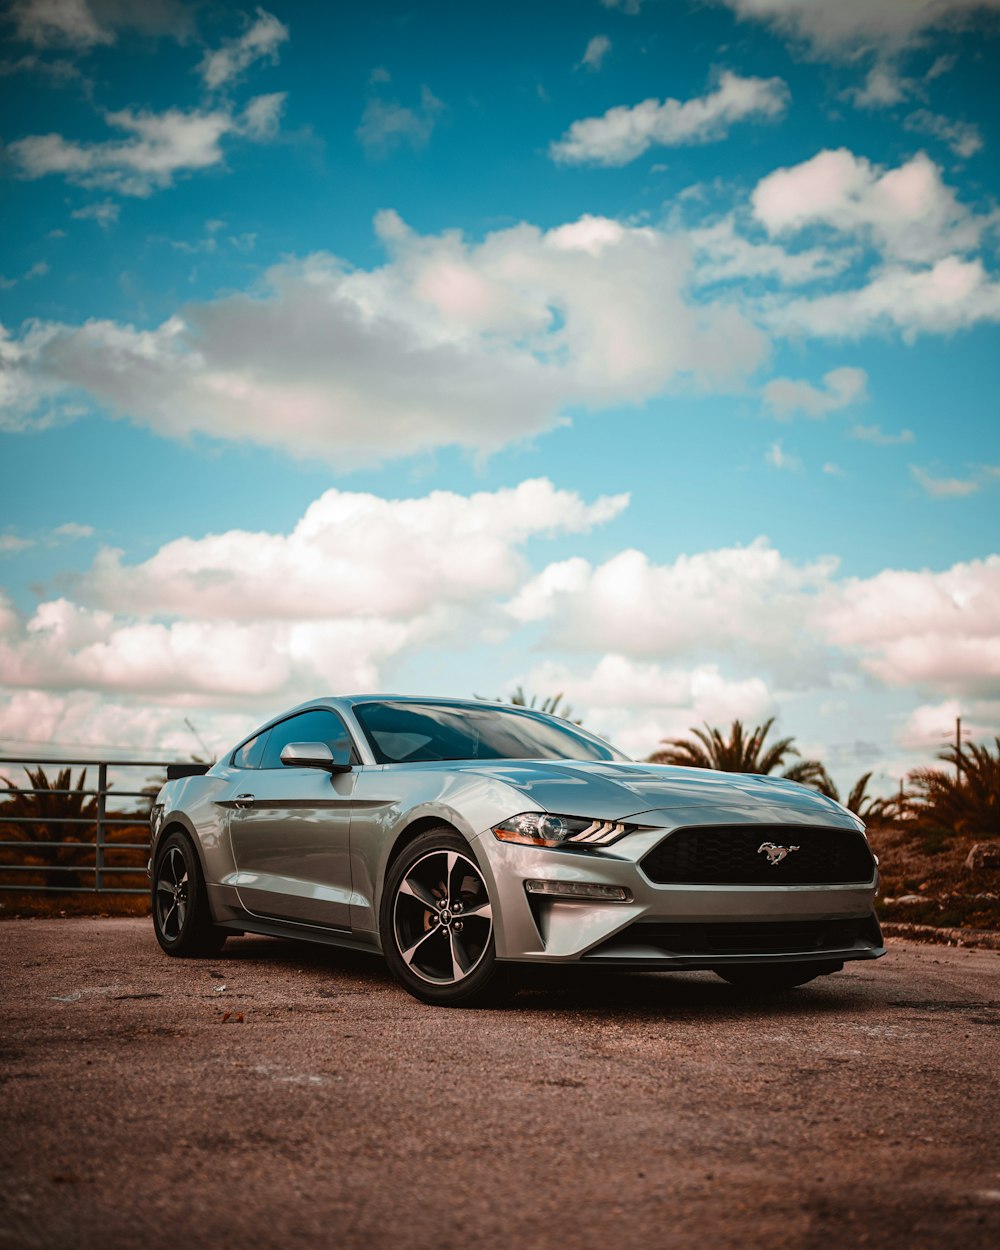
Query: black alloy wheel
182	921
436	924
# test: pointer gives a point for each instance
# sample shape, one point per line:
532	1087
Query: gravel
281	1094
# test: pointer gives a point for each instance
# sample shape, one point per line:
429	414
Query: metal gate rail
97	819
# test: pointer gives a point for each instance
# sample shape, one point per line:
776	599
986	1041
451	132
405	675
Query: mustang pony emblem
775	854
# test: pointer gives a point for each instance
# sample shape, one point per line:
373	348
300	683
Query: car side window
319	725
249	754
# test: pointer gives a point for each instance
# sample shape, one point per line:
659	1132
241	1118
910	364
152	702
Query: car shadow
641	994
296	953
557	991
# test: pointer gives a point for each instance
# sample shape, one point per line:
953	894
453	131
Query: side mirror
311	755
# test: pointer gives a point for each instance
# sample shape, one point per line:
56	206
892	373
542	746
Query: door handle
244	800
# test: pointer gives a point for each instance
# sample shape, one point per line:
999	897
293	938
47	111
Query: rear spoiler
176	771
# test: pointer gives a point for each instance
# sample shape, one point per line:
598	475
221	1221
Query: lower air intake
778	937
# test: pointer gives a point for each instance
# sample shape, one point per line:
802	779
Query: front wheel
436	925
181	918
770	978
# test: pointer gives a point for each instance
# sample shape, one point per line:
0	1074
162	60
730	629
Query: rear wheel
436	924
769	978
182	921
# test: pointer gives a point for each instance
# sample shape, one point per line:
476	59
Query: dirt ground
283	1095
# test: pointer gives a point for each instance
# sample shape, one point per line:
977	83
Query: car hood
613	791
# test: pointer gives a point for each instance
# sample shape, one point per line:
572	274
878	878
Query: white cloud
833	469
944	487
724	599
882	88
778	458
73	529
241	624
351	555
631	7
86	720
26	399
11	543
623	133
450	343
636	704
105	213
242	617
726	256
937	631
63	646
841	387
385	124
260	41
943	64
597	49
931	727
58	22
907	213
262	116
847	27
85	24
963	138
875	434
952	294
158	147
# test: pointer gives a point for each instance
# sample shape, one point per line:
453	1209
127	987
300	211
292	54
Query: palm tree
742	752
550	704
59	801
860	802
965	802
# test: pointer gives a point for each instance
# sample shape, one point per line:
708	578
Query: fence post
102	790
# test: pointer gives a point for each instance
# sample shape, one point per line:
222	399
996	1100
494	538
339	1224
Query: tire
771	978
436	925
182	921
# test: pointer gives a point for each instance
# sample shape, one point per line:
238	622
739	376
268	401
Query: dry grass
17	906
927	869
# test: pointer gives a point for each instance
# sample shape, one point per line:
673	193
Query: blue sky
296	299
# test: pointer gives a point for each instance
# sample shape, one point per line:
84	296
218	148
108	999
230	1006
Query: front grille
771	937
733	855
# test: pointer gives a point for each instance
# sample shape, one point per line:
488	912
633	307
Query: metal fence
70	839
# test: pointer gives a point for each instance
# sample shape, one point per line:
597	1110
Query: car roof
355	700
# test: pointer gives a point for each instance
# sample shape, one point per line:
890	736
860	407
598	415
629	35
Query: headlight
544	829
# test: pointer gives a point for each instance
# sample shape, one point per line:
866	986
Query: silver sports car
462	839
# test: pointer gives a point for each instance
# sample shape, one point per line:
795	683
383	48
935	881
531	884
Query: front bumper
667	926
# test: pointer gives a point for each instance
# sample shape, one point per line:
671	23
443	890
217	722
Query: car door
290	827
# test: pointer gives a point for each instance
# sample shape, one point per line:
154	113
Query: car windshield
413	733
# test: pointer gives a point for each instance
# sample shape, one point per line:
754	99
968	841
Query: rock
984	857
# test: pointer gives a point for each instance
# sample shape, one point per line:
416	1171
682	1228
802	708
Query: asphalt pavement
285	1095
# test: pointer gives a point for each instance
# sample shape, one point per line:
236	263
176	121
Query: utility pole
201	740
958	750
